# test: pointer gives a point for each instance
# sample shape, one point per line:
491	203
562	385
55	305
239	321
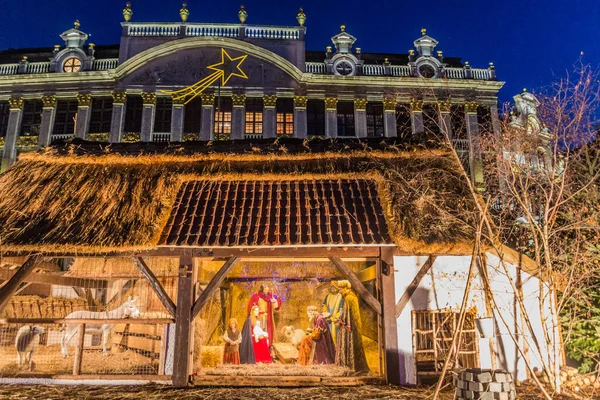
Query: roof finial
423	31
242	14
524	90
343	28
127	12
184	13
301	17
76	24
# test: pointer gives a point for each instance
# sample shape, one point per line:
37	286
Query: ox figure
27	340
126	310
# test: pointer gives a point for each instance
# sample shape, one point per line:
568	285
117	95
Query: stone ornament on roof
127	12
74	38
184	13
525	117
343	41
301	17
243	14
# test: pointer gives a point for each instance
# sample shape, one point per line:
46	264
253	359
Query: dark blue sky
531	42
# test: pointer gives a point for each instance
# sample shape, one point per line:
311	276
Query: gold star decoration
229	67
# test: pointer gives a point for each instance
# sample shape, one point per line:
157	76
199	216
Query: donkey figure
127	310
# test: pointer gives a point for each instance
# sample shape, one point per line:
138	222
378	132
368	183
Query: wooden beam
155	284
357	285
78	359
183	322
213	285
23	286
129	321
15	280
128	285
393	358
284	253
368	274
54	279
410	290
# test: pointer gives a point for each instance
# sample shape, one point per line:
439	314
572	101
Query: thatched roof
88	199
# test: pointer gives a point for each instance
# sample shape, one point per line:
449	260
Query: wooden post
183	321
357	285
163	350
214	283
390	327
79	349
15	281
155	284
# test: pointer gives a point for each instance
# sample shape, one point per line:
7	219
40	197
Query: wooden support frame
213	285
357	285
410	290
79	350
15	280
53	279
183	317
393	368
155	285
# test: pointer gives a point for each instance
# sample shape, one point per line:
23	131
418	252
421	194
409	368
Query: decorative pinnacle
243	14
343	28
301	17
524	90
77	24
127	12
184	13
423	31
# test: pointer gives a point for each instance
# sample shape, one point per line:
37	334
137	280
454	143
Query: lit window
285	117
72	64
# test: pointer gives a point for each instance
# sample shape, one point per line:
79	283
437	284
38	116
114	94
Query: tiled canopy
276	213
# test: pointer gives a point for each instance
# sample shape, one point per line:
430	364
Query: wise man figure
267	304
332	305
349	347
317	347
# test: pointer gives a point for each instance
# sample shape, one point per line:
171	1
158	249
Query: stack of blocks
484	384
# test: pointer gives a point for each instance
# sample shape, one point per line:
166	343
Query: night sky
531	42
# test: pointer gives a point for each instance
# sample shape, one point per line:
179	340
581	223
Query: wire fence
88	317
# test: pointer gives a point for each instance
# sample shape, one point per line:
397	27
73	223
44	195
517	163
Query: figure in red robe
267	304
261	345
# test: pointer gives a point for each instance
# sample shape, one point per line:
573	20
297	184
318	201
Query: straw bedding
48	360
279	370
73	202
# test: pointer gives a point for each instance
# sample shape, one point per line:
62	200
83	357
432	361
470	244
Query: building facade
229	219
125	93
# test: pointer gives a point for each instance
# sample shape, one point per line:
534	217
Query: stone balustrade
105	63
152	29
9	69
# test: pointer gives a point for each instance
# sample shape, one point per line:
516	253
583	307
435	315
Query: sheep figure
28	338
291	335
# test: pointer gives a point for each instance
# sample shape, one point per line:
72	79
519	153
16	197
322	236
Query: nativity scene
295	324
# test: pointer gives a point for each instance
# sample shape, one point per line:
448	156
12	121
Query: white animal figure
291	335
126	310
28	338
